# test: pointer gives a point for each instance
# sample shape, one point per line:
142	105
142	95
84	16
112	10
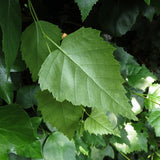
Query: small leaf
110	152
147	1
98	123
6	87
10	21
85	7
97	154
84	72
64	116
36	53
26	96
154	120
15	128
58	147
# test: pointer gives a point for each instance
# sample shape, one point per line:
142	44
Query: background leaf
6	87
26	96
15	128
58	147
35	55
84	72
10	15
64	116
85	7
131	140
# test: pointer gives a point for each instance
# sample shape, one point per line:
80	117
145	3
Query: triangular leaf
35	54
98	123
85	7
6	87
154	120
58	147
84	71
10	21
64	116
15	128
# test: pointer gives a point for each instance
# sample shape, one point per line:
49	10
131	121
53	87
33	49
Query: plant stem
124	156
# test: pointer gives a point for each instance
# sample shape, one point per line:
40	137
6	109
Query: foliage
82	96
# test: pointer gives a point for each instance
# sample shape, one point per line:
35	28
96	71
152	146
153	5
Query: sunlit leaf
154	120
98	123
84	71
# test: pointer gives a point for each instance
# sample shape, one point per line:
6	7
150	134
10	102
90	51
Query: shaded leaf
35	55
85	7
110	152
58	147
64	116
117	17
154	120
10	21
97	154
147	1
98	123
84	71
15	129
26	96
6	87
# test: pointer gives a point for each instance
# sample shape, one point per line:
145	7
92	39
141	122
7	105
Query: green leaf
153	97
110	152
12	156
6	87
10	21
36	53
131	140
26	96
97	154
15	129
85	7
98	123
137	76
84	72
156	5
147	1
64	116
58	147
117	17
154	120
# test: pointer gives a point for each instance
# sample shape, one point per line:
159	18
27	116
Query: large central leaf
85	72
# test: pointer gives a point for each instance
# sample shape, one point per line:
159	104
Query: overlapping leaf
64	116
15	129
84	71
10	22
85	7
34	45
58	147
